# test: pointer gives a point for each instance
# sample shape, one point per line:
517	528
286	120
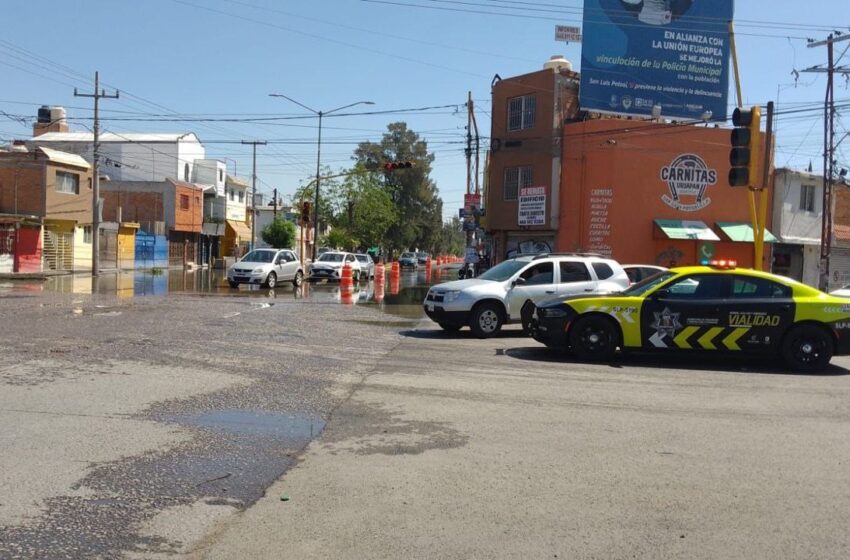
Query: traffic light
393	165
305	212
744	155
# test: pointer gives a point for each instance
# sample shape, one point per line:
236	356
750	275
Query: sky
416	60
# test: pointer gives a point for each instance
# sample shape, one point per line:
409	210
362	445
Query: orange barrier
379	290
380	271
396	270
395	284
346	285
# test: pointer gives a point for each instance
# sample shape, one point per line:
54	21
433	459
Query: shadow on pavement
439	334
700	362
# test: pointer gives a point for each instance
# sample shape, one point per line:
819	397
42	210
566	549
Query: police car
715	308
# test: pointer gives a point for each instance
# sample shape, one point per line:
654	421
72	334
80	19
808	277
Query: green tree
369	211
412	191
452	238
279	233
339	238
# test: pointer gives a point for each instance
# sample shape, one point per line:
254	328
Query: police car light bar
720	263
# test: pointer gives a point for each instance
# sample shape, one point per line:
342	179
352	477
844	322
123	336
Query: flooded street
403	298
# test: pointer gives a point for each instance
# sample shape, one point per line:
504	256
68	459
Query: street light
320	114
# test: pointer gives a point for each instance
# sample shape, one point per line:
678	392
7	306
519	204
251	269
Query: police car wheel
593	339
807	348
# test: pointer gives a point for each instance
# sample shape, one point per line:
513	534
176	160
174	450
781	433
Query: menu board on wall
599	227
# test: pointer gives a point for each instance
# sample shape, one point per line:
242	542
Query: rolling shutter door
839	268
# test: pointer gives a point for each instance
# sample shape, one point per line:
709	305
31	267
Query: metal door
108	248
839	268
7	248
58	250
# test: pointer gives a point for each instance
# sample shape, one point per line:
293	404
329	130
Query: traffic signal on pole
305	212
393	165
744	155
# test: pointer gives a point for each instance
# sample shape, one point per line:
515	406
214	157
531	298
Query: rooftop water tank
557	63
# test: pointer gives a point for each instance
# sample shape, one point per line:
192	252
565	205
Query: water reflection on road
404	298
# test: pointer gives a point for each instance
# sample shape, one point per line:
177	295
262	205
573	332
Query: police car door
757	314
689	313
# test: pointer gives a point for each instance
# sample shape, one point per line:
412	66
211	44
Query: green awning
686	229
743	232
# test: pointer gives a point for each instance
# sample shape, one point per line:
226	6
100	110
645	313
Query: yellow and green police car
716	308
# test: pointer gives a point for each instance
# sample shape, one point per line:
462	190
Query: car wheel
450	327
807	348
233	284
299	279
525	315
594	338
486	320
271	280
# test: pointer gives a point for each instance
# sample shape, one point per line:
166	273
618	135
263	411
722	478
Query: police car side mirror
660	294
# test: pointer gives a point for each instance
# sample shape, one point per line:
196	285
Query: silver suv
507	292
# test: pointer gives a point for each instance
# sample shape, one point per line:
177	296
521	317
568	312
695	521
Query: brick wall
30	194
135	206
188	208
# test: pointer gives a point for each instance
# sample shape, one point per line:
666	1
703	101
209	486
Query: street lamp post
319	114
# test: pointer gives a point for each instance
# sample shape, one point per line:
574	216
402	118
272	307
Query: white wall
236	210
790	223
210	172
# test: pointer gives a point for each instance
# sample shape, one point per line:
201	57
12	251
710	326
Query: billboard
531	210
669	54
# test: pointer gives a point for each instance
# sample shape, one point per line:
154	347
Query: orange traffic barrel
346	285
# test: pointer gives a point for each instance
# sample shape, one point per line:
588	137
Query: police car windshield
647	284
503	271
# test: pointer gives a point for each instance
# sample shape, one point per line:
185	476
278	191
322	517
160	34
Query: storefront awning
241	229
743	232
686	229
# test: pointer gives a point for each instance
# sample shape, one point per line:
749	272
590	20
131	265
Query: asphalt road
174	427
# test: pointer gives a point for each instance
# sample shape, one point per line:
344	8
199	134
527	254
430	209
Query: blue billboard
671	55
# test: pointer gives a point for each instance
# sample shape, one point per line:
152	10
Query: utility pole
468	152
254	144
95	227
828	151
274	202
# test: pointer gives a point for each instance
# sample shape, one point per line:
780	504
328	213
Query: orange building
652	193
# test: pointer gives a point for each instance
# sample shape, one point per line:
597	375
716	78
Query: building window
67	182
221	175
186	172
87	234
516	178
184	201
521	112
807	198
241	196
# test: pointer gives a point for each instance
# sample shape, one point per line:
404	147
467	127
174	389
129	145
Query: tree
411	191
339	238
279	233
369	209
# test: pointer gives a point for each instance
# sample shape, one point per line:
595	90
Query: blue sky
222	57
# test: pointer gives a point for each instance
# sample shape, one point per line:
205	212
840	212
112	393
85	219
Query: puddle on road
258	424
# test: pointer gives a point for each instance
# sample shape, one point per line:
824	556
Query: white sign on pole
532	206
568	33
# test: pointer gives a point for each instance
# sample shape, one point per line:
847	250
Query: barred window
516	178
67	182
521	112
807	198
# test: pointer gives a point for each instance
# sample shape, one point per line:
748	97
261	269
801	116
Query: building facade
45	211
529	112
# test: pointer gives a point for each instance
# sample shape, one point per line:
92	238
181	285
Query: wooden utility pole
828	151
96	207
274	202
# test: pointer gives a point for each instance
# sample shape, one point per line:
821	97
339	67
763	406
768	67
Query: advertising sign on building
568	33
670	55
532	206
687	178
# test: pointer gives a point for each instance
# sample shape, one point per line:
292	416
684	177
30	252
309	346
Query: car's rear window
603	271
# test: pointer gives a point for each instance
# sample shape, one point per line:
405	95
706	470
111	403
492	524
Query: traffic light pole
758	234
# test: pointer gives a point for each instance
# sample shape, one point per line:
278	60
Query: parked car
367	265
408	260
329	266
421	257
638	272
266	267
702	310
507	292
843	291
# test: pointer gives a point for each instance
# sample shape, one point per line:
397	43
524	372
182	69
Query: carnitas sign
687	178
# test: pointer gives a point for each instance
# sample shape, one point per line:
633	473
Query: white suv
507	292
